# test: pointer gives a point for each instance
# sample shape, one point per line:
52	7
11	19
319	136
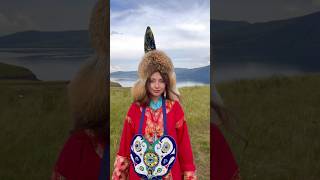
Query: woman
155	119
81	155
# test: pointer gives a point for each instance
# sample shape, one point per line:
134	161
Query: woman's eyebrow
155	78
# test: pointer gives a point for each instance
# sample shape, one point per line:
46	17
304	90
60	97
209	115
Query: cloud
193	27
115	68
44	15
316	2
180	29
260	11
18	22
115	33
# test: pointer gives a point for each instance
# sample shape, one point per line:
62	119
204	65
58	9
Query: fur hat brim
154	61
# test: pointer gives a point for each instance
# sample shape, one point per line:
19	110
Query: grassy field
195	101
280	117
34	123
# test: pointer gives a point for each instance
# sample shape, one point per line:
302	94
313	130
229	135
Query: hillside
294	42
201	74
114	84
8	71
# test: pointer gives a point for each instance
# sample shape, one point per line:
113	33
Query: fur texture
151	62
87	91
99	28
154	60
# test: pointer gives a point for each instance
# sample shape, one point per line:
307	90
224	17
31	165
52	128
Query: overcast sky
262	10
181	27
47	15
19	15
182	30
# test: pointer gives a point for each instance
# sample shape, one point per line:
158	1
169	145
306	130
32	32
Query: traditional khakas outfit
80	157
152	129
152	123
223	164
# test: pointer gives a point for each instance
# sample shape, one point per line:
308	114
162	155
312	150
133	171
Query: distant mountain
294	41
39	39
200	75
221	25
130	75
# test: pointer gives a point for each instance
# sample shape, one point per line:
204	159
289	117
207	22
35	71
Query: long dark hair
88	98
88	90
225	118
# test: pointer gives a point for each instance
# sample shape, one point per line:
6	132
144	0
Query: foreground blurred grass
34	123
280	117
195	101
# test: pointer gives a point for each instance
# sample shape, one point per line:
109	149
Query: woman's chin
156	95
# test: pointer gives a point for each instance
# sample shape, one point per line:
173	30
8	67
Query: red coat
80	158
223	165
153	125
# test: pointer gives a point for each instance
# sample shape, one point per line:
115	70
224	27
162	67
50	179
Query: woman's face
156	86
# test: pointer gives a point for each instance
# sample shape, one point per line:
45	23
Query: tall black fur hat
153	60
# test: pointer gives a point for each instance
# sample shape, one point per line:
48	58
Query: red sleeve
127	132
121	164
183	141
223	164
69	158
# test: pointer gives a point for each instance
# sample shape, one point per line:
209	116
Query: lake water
63	63
129	83
47	63
56	63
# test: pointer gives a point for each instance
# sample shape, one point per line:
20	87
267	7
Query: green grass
279	117
195	101
34	123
